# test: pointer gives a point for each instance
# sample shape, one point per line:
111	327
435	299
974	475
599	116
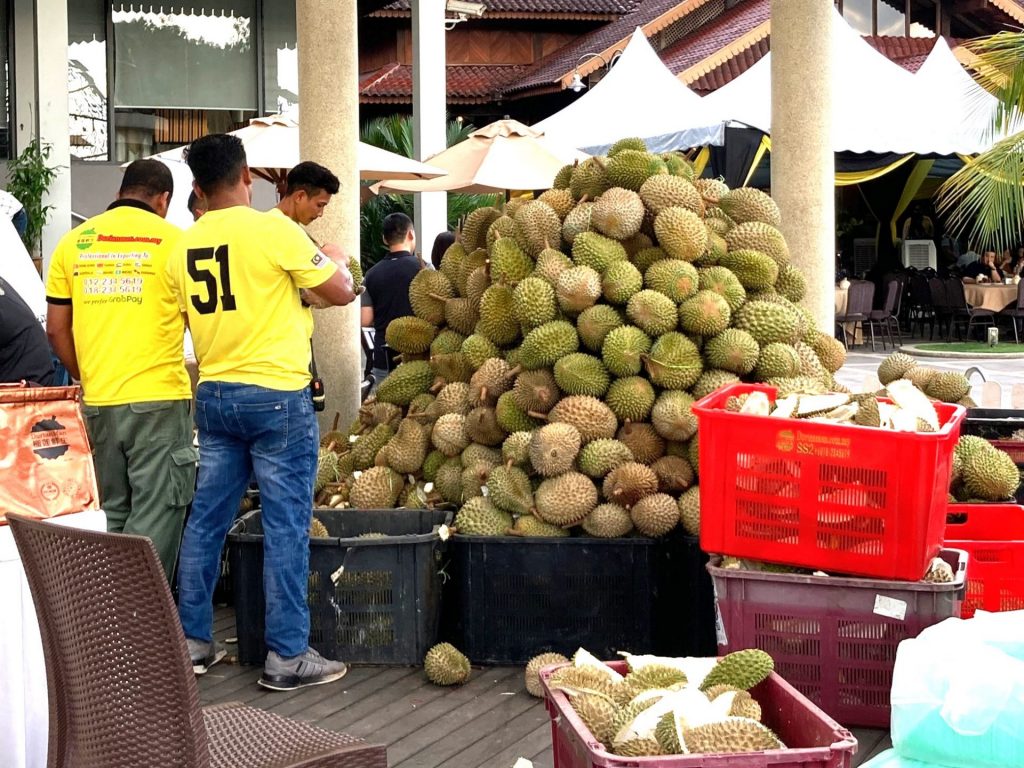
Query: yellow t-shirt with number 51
235	273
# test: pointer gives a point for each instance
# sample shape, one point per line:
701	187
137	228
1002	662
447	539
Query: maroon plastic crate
993	536
838	497
812	738
834	638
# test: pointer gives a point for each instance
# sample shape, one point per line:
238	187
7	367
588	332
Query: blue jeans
245	429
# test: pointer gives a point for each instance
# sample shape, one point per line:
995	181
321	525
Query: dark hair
194	202
441	244
216	160
311	178
395	227
146	178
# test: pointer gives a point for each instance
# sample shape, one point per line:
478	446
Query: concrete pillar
329	134
429	101
803	164
54	127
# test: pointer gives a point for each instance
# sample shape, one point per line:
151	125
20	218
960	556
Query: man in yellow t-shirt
114	323
236	274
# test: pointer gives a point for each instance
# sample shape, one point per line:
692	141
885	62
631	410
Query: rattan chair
121	689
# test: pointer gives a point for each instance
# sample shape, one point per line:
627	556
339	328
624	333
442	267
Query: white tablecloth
24	720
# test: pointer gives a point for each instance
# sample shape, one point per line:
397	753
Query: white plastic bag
958	693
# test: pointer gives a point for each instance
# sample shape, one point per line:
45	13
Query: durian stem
537	415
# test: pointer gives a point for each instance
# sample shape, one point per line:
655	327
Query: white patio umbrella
503	155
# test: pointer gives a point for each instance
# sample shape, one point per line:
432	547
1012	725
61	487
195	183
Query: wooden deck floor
487	723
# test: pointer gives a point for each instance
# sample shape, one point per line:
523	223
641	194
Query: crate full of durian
665	712
851	483
833	637
374	589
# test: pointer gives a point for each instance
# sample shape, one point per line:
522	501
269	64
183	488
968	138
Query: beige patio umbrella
501	156
272	149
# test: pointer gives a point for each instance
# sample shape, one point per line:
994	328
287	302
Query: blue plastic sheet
890	759
958	694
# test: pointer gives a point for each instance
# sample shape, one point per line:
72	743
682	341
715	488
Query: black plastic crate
684	598
510	598
384	607
996	425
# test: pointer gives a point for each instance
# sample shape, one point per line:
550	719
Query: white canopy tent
638	97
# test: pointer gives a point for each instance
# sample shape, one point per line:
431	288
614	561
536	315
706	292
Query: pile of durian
665	706
548	371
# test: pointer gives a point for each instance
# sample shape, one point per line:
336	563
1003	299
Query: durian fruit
895	367
732	350
607	521
489	381
664	191
594	250
674	361
743	669
597	711
406	451
326	469
618	213
317	530
543	346
623	349
948	386
676	279
629	482
515	451
553	448
536	224
758	236
620	282
990	474
534	303
674	474
652	312
689	510
446	665
756	271
529	525
376	488
560	200
586	678
724	283
733	734
566	499
681	233
533	668
706	313
581	374
480	517
536	391
642	439
592	418
599	457
595	323
630	142
575	223
655	515
672	415
509	489
748	204
630	168
406	381
630	398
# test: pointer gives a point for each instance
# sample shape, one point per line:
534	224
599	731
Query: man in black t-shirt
24	350
387	288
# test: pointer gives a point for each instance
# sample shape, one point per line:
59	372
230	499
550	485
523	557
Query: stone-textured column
51	114
803	164
329	134
429	99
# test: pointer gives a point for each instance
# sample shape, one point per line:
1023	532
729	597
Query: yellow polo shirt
236	274
127	328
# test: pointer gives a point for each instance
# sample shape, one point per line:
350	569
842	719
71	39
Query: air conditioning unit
919	254
865	254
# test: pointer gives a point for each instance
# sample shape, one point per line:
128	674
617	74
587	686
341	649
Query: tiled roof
652	15
467	84
542	7
723	48
908	52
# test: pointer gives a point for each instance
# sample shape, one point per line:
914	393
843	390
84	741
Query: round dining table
994	296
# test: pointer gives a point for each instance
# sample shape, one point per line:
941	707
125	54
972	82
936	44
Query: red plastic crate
834	497
812	738
834	638
993	535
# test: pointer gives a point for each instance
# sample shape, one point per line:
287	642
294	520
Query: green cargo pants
146	469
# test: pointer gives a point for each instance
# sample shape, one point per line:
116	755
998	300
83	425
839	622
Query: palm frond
998	68
985	198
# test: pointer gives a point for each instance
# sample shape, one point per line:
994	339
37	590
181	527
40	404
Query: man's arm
58	331
366	317
336	291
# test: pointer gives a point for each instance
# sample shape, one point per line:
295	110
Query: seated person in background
983	268
1017	267
387	288
1005	262
441	244
918	225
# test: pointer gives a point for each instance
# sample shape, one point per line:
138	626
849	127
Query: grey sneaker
203	654
309	668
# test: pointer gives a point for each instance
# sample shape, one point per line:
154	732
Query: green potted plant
30	177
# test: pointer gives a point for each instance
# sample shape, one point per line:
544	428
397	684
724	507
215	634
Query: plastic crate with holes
834	638
993	535
842	498
510	598
373	599
812	738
